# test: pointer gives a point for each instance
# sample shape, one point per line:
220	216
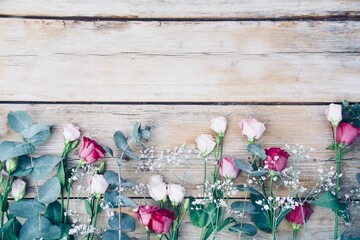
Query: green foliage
37	227
351	113
14	149
113	179
261	219
18	121
127	223
247	207
26	208
53	212
122	144
328	200
49	191
88	208
256	150
114	234
112	198
245	228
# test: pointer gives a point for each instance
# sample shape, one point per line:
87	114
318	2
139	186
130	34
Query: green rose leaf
14	149
281	216
122	144
26	208
261	219
328	200
226	222
53	212
114	234
88	208
43	166
39	227
245	228
257	150
248	207
351	113
198	216
36	134
49	191
19	120
127	223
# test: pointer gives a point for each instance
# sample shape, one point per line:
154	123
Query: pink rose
334	114
143	213
252	128
276	159
205	144
228	169
90	151
300	214
71	132
346	133
161	221
98	184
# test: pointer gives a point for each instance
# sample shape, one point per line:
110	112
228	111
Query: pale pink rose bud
334	114
252	128
18	189
71	132
157	188
218	125
176	193
205	143
228	169
98	184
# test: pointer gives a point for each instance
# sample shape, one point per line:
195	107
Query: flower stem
147	234
96	213
294	234
338	171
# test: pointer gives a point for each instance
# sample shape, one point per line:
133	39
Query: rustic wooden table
174	65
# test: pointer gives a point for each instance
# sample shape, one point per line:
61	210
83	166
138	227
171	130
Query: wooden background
174	65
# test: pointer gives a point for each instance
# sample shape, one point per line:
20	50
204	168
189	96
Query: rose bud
143	213
252	128
98	184
346	133
228	169
218	125
11	165
205	144
18	189
157	188
90	151
176	193
161	221
71	132
334	114
300	214
276	159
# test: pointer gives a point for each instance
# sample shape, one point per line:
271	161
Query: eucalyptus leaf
19	120
108	151
49	191
351	113
135	131
243	166
252	190
23	167
36	134
43	166
114	234
112	198
357	176
245	228
259	173
257	150
127	223
53	212
14	149
145	133
37	227
248	207
113	179
122	144
25	208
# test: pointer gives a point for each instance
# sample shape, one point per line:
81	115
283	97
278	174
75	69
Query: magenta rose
143	213
161	221
228	169
346	133
276	159
90	151
300	214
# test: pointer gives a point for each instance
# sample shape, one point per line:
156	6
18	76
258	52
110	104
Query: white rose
205	143
176	193
18	189
98	184
71	132
252	128
218	125
334	114
157	188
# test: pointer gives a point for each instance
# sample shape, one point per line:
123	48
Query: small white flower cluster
326	180
83	171
290	179
177	156
227	188
108	207
278	202
298	153
78	227
139	189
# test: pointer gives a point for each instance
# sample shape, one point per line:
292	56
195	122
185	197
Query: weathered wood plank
181	9
320	226
174	125
179	61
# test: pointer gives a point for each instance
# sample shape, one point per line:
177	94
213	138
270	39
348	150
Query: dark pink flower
144	213
346	133
276	159
300	214
161	221
91	151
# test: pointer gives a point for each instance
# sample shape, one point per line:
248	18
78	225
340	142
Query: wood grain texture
179	61
181	9
174	125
